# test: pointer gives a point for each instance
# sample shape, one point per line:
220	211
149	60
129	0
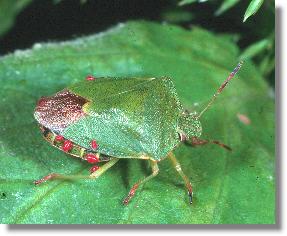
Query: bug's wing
136	120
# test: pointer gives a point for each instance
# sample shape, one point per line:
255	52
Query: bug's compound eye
181	136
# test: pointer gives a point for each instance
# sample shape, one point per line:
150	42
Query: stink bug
106	119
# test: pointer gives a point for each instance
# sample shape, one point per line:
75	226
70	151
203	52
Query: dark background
47	20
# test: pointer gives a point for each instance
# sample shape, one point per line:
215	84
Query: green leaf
252	8
235	187
8	12
255	49
226	5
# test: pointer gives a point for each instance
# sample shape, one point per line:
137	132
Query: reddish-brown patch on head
59	111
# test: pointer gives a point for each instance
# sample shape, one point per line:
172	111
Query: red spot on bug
92	158
67	146
59	138
90	77
94	168
244	119
94	144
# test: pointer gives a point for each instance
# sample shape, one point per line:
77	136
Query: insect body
106	119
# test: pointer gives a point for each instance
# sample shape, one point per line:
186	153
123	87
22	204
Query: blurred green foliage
253	22
8	12
253	7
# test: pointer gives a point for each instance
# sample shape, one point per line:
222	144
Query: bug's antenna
231	75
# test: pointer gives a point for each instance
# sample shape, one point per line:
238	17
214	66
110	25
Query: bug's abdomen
89	154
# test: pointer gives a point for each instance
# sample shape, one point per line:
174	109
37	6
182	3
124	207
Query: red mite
94	168
92	158
90	77
59	138
67	146
94	144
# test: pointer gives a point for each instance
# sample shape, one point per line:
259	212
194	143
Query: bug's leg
198	142
132	192
94	175
177	166
103	168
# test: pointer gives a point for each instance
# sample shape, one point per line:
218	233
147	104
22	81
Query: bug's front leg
132	192
177	166
94	175
195	141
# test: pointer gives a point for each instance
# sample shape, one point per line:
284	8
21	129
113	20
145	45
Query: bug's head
189	126
59	111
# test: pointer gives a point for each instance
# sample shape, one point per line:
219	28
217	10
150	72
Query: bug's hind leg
94	175
199	142
177	166
132	192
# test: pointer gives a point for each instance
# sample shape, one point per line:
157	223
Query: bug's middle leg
94	175
132	192
177	166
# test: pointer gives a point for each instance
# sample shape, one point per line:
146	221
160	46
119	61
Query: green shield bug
106	119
